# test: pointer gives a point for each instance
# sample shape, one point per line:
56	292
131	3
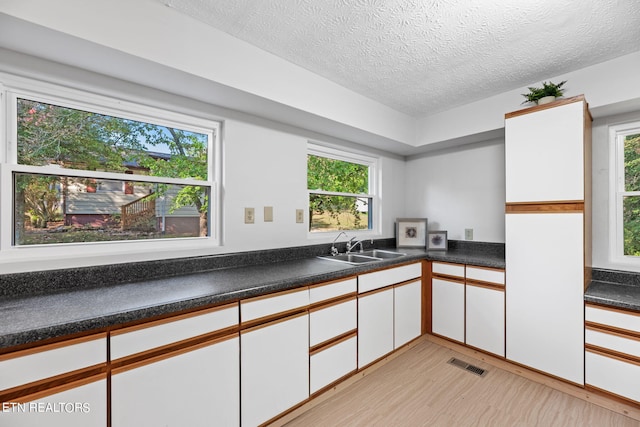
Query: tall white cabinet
547	151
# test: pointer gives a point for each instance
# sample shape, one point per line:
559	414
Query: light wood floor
419	388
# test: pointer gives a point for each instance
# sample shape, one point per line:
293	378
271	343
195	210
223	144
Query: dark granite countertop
619	289
36	316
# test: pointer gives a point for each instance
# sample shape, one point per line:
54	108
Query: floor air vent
464	365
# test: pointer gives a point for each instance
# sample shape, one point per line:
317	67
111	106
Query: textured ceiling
425	56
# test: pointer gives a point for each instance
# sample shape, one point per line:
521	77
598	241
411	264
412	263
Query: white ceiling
426	56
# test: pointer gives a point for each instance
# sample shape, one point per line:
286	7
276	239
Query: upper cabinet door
544	153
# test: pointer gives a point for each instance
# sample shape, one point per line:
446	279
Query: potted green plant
545	94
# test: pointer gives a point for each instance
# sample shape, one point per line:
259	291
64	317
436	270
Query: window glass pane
631	220
632	163
62	209
76	139
337	175
330	213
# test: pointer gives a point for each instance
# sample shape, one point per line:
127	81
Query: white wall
267	167
458	188
264	164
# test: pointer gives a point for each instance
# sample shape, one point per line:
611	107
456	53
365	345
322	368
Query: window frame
374	180
617	136
13	87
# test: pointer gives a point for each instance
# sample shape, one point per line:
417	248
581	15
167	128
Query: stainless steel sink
374	255
379	253
351	258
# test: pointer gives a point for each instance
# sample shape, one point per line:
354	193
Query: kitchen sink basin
379	253
374	255
352	258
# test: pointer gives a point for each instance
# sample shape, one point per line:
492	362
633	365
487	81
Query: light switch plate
249	215
268	214
468	234
299	216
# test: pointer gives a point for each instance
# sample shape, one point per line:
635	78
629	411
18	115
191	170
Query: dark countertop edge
607	293
97	324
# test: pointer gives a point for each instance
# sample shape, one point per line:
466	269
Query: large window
626	155
83	169
341	190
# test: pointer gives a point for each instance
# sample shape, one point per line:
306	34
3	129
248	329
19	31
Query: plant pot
546	100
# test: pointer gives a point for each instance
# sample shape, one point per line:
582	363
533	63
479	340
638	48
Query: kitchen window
86	170
625	158
342	190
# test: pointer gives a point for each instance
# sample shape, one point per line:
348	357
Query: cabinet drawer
332	321
380	279
613	375
31	365
333	363
629	321
273	304
617	343
455	270
489	275
140	338
327	291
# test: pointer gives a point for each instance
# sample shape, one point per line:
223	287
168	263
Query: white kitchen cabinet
61	384
544	153
484	321
547	235
78	404
407	312
447	308
612	358
390	276
375	325
544	298
484	309
332	362
274	368
183	370
195	386
385	309
333	324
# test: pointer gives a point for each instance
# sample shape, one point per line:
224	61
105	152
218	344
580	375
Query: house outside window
625	211
85	169
342	191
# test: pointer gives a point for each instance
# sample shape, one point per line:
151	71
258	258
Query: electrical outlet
299	216
249	215
268	214
468	234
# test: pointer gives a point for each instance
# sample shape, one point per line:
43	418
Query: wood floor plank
418	388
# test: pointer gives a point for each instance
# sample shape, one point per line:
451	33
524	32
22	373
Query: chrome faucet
351	246
334	250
